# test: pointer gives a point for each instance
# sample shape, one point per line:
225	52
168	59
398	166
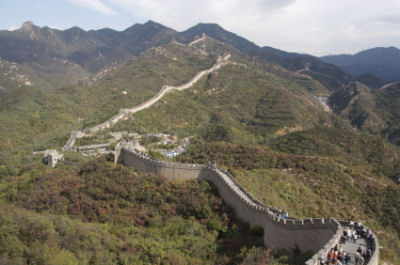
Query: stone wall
132	157
124	113
279	233
318	235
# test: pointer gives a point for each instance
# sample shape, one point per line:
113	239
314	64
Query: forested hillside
262	116
102	214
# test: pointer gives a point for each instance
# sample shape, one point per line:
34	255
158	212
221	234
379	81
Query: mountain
72	55
373	110
262	115
14	75
357	103
80	54
382	62
42	50
39	118
278	141
371	80
329	75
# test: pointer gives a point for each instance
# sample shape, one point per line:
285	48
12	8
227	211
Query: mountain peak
150	22
75	29
153	24
28	26
209	26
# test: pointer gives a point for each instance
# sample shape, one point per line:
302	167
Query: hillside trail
123	113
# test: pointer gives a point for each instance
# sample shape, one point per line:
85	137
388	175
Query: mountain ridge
108	47
380	61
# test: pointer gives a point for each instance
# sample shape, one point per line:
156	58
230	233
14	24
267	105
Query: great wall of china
124	113
318	235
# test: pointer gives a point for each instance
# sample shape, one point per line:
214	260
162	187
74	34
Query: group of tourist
338	256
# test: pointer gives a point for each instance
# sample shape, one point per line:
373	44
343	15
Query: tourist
344	237
368	254
360	249
364	232
340	256
321	260
355	236
349	234
330	256
284	214
335	248
340	249
335	256
347	259
357	257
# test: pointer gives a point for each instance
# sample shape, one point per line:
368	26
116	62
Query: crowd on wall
351	234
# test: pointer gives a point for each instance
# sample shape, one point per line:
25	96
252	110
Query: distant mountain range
381	62
75	54
54	59
67	56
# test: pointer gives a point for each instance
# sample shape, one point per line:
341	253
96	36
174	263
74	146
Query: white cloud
95	5
312	26
13	28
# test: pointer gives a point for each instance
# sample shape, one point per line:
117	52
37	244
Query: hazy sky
317	27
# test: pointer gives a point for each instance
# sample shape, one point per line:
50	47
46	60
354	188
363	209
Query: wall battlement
318	234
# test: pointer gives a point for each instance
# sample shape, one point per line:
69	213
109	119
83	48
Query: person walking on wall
359	259
330	256
347	258
356	258
355	236
321	260
284	214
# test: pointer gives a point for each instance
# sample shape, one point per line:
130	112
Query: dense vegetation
253	103
36	118
255	117
291	152
102	214
373	111
315	183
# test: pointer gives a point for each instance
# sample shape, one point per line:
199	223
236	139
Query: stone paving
351	248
